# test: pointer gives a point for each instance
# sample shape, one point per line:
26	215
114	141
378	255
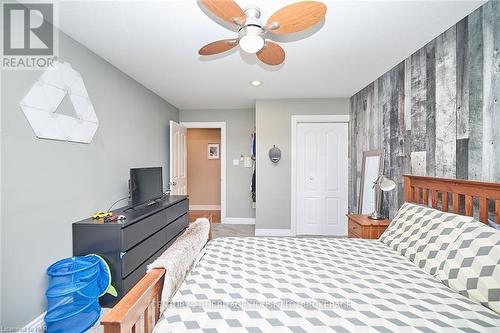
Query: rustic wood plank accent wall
437	113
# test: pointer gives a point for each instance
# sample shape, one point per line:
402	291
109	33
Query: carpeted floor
233	230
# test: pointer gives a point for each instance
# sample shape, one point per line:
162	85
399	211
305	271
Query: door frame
172	156
309	119
222	127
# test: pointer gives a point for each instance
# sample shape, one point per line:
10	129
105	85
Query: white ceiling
156	43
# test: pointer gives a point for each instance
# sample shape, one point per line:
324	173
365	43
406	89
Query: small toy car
100	215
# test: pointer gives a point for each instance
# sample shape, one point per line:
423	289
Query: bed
263	284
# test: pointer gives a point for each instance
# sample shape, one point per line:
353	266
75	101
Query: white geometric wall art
41	102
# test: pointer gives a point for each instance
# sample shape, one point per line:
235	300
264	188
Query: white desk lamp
385	184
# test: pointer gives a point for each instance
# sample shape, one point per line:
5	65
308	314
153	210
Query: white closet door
310	179
336	179
322	178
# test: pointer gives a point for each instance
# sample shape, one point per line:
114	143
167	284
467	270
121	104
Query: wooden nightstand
360	226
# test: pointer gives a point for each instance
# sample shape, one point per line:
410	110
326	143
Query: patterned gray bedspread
267	284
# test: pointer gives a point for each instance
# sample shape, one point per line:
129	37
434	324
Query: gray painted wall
239	127
47	185
437	113
273	119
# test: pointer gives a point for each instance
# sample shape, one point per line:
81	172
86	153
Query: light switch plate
236	162
248	162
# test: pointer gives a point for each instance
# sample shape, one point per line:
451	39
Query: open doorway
179	167
204	173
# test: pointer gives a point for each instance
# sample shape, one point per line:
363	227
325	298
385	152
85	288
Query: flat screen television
146	185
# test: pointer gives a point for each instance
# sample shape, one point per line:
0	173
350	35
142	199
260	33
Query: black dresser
129	246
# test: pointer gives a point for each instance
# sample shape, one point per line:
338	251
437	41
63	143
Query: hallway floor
212	215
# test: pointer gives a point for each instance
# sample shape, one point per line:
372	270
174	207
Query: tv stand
128	246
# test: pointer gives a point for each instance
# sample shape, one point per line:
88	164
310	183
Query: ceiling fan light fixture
251	40
292	18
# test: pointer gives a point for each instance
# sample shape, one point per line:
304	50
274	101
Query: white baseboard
273	232
238	220
204	207
36	325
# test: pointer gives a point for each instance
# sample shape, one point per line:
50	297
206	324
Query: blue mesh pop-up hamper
75	285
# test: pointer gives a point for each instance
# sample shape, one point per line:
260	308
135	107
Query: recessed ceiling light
255	83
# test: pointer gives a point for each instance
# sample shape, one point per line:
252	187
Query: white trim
204	207
305	119
36	325
239	220
274	232
222	126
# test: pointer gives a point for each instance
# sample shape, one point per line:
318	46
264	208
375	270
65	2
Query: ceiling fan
252	32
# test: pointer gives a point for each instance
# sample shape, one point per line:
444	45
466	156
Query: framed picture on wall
213	151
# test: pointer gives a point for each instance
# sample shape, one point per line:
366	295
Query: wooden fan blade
271	54
228	10
218	47
297	17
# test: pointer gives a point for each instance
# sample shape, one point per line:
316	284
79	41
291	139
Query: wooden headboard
437	192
